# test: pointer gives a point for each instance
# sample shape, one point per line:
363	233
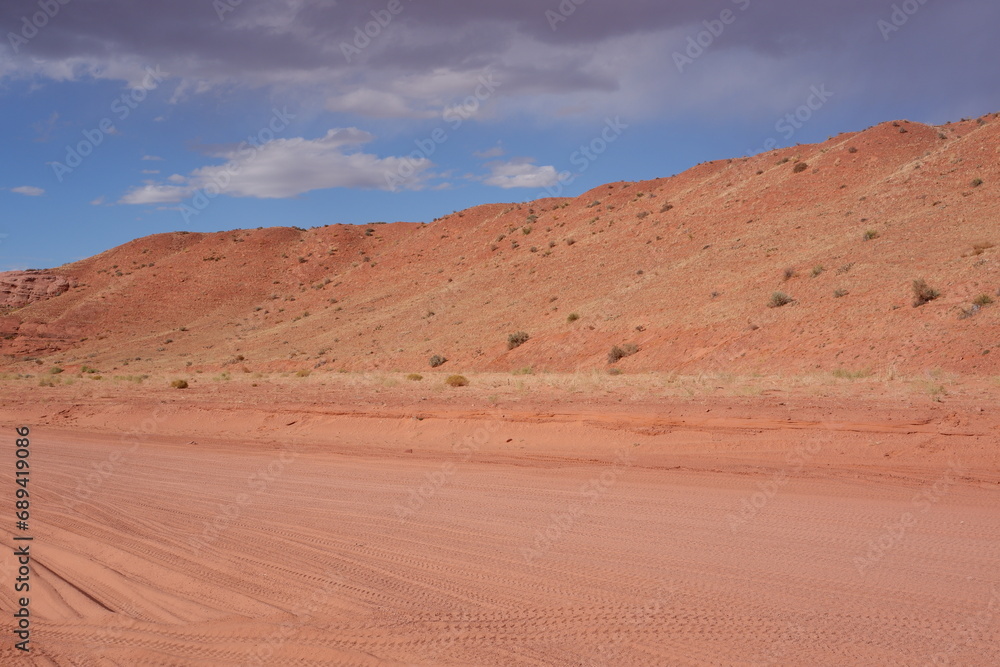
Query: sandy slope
448	533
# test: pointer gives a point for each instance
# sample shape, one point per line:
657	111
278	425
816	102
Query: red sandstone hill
682	267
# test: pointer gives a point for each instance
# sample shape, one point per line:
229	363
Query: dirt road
476	551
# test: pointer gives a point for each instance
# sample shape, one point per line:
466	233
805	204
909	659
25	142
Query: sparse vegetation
870	235
800	167
923	293
779	299
456	381
846	374
817	270
414	377
570	241
437	360
976	182
55	370
617	353
838	293
304	373
666	207
179	384
517	339
982	300
789	273
572	317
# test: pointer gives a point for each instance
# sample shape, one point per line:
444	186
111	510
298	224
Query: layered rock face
20	288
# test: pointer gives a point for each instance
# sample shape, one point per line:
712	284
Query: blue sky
123	119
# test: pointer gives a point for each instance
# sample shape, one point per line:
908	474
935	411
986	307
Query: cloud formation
521	174
286	168
28	190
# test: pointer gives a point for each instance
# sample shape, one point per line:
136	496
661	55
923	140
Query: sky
123	119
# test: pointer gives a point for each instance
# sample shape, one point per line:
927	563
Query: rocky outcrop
20	288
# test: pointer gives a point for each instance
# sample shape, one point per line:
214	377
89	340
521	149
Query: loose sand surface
725	531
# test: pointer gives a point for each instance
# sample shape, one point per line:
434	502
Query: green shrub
517	339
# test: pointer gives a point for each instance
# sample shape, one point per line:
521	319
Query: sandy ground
525	528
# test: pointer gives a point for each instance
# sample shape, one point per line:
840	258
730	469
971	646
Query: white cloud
288	167
151	157
521	174
98	201
496	151
29	190
150	171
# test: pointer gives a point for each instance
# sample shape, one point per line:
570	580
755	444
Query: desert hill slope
684	268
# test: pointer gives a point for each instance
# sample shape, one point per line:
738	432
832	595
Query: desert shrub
923	293
614	371
983	300
642	214
852	149
800	167
572	317
527	370
414	377
779	299
845	374
517	339
526	230
817	270
666	207
55	370
976	182
837	293
456	381
870	234
437	360
179	384
304	373
789	273
570	241
618	353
